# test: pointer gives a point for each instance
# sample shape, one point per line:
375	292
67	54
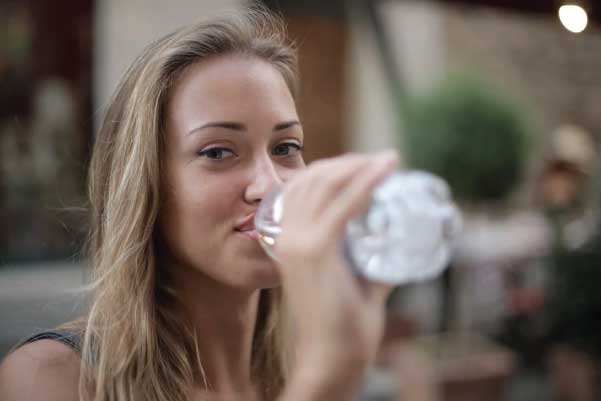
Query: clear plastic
405	236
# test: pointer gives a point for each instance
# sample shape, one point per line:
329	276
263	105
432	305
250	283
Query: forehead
229	84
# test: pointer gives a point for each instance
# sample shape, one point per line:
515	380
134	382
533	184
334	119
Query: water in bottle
405	236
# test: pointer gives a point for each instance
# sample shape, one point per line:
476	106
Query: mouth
249	233
246	227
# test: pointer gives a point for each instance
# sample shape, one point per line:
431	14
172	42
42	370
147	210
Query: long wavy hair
134	347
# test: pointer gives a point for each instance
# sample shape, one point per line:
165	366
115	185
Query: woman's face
232	131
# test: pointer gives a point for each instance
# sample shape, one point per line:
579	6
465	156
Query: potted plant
478	140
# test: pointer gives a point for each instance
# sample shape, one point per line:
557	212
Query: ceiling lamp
573	17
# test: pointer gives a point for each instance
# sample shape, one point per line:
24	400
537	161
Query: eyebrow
234	126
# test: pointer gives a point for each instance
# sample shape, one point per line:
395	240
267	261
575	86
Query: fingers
356	197
324	179
320	202
317	188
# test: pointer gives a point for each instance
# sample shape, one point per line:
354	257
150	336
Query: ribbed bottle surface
405	236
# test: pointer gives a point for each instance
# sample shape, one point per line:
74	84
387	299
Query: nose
264	176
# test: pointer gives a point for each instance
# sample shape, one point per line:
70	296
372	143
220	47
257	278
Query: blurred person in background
185	305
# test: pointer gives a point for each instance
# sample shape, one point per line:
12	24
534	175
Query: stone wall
555	74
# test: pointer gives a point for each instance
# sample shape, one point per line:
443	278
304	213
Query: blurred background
500	97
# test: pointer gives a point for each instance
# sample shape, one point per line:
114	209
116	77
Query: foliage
471	135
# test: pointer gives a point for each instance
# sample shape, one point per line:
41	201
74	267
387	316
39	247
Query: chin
262	275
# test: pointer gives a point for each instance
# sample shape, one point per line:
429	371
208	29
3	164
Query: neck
224	320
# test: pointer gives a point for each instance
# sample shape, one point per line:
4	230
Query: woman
186	305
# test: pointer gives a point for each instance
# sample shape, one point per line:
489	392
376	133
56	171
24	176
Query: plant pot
453	367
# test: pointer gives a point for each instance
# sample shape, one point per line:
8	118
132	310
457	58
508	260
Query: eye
287	149
216	153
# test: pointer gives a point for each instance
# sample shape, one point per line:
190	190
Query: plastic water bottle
405	236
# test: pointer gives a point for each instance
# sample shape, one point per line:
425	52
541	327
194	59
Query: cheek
196	223
214	202
204	206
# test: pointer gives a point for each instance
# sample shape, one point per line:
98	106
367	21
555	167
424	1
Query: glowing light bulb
573	18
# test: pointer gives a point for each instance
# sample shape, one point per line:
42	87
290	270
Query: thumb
376	292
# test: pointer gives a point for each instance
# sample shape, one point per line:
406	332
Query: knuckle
318	164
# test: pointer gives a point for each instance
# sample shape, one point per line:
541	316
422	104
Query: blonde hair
133	347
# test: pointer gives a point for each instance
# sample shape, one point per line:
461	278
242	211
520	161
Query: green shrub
469	134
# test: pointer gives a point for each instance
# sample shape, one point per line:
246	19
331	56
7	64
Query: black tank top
70	339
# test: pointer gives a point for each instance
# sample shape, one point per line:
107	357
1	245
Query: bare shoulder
41	370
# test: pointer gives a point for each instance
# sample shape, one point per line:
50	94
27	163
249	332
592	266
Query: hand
338	317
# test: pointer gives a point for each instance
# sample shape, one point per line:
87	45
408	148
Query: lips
246	224
246	227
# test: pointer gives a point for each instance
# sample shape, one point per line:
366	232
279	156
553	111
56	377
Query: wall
124	27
